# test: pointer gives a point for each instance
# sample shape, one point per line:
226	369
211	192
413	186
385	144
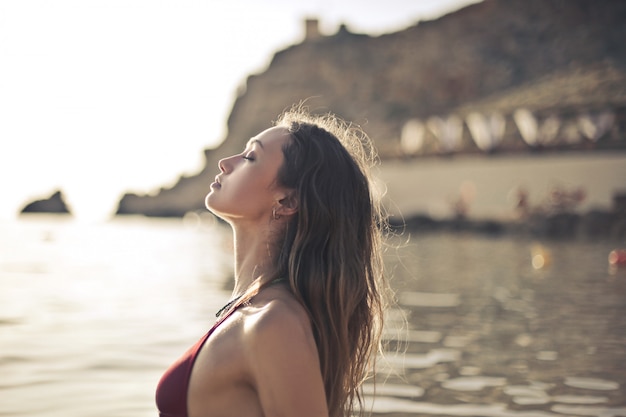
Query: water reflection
490	334
420	361
591	383
424	299
473	383
485	333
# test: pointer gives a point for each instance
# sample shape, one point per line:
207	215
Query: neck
253	257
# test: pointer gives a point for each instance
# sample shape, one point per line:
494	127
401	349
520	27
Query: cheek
248	196
245	189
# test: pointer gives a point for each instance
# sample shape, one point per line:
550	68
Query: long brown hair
332	248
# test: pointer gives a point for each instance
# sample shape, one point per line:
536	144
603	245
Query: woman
302	330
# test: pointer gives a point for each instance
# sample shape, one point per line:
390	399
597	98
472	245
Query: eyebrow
251	141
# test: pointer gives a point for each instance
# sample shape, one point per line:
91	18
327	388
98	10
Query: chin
207	202
210	205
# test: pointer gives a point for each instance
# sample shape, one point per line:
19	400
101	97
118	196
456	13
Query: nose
225	164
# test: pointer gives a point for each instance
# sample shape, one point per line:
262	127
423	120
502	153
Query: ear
288	204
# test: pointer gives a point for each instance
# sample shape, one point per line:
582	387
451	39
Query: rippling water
92	314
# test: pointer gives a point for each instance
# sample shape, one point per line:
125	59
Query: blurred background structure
490	81
531	94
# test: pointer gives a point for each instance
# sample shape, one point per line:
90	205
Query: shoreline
591	226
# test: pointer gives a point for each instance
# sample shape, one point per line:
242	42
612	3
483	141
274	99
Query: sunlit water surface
92	314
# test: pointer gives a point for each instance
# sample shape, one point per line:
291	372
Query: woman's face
246	187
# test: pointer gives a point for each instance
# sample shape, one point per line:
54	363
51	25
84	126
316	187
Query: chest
220	369
221	357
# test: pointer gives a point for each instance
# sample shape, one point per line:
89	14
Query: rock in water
53	204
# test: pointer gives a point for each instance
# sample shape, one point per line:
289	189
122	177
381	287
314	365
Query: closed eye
248	158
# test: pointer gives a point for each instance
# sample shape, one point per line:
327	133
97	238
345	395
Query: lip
216	183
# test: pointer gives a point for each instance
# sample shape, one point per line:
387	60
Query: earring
275	215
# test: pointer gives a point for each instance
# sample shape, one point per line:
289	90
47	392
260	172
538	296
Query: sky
101	97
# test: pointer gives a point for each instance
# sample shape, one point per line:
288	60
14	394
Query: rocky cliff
432	68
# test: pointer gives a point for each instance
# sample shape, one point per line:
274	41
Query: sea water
91	314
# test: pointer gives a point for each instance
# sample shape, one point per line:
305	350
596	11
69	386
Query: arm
284	363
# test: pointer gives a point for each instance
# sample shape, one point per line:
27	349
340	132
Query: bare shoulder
282	356
276	319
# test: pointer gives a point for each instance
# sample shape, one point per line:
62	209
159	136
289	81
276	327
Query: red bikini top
171	392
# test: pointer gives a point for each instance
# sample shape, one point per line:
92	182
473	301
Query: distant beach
431	186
